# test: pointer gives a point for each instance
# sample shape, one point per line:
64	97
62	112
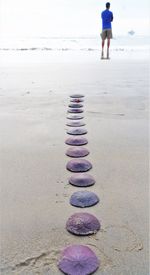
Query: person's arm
112	17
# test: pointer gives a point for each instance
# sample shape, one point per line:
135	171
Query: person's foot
102	55
107	54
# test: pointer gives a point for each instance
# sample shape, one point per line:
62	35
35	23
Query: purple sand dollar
84	199
82	180
78	260
83	224
76	141
75	123
78	165
77	152
75	105
75	117
76	96
75	110
76	100
77	131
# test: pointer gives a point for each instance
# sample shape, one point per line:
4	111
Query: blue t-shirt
107	18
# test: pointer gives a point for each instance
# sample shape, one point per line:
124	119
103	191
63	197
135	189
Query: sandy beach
34	181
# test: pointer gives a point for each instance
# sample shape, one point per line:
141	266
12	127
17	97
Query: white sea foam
74	43
75	48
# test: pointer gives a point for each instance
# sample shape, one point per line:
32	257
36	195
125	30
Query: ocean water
129	46
128	42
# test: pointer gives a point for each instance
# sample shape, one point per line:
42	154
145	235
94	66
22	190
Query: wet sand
34	181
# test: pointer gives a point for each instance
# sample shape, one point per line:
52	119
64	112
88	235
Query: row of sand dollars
79	259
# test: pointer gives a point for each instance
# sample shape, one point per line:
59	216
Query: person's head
107	5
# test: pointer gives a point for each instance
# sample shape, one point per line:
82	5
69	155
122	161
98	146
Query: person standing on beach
107	18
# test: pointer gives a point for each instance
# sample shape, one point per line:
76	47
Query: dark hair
107	5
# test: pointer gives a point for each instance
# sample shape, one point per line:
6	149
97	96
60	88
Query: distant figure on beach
107	18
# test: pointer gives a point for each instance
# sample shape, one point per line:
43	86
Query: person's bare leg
103	43
108	45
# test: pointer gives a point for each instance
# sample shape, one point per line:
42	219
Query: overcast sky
70	17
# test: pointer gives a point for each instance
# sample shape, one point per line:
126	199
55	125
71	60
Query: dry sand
34	181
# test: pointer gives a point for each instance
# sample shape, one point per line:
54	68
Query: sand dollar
83	224
75	123
78	165
76	141
76	131
84	199
82	180
75	117
78	260
76	96
75	105
77	152
75	110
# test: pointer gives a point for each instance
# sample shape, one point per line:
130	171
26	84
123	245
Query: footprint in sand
106	261
45	263
121	238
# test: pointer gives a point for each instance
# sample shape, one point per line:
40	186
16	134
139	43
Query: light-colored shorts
107	33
